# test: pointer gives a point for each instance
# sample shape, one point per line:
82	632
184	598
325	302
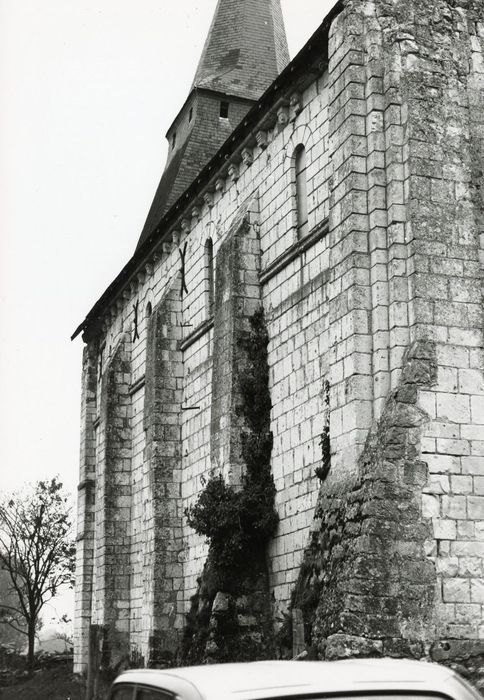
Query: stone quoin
337	199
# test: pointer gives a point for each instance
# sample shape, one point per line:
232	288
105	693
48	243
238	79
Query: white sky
88	89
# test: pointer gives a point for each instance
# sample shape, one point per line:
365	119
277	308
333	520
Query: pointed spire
245	50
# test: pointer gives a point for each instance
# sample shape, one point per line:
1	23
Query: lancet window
209	276
301	191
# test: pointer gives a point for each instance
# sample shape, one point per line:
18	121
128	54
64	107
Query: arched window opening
301	191
149	309
102	350
209	276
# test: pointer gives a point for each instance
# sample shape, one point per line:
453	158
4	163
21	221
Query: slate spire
245	51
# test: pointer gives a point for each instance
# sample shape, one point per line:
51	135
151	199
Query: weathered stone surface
230	617
375	361
340	646
373	589
161	543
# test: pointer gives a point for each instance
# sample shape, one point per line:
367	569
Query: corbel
133	287
295	103
233	172
208	199
282	117
247	157
195	216
261	138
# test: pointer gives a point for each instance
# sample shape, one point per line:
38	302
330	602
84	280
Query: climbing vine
237	523
323	470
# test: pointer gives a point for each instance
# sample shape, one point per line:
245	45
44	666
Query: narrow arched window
301	191
209	276
101	362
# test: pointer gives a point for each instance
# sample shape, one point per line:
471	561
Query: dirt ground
51	684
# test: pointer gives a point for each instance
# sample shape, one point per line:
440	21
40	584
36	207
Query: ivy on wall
226	616
323	470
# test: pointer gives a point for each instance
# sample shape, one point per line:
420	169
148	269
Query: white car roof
266	679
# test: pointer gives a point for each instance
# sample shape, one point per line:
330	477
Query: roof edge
300	62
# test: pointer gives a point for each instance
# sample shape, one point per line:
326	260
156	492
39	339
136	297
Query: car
371	679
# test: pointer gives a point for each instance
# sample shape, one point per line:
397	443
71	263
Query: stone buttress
111	575
395	562
230	614
163	572
85	506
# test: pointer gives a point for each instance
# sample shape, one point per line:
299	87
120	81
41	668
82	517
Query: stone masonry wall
379	309
367	584
446	217
85	505
406	213
196	459
270	173
230	615
163	567
111	588
141	517
237	297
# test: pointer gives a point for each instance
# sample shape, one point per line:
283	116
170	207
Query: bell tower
245	51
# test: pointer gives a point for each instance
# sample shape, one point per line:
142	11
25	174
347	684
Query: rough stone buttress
341	201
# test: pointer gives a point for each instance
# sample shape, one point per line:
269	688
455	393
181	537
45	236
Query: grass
49	684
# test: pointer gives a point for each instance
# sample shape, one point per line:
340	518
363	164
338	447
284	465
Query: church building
282	442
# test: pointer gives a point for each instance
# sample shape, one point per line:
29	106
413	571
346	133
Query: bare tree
38	552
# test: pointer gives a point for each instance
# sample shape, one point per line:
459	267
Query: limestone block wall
268	174
237	298
446	210
378	302
85	504
299	363
140	522
406	322
162	565
111	591
196	450
233	589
